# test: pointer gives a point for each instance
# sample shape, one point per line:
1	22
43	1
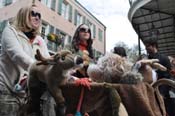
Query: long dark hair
76	41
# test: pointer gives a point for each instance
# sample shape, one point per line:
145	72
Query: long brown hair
76	41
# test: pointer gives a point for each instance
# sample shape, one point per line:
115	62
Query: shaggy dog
115	69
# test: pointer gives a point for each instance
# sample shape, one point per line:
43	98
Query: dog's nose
78	60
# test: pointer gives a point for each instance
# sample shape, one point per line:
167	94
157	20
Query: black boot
60	110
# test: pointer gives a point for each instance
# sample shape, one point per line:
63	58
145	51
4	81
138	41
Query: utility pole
130	2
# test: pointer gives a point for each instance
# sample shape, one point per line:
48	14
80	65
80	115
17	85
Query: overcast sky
113	14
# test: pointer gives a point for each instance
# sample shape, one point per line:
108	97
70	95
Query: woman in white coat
19	44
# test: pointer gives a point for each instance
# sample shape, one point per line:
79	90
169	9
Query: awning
155	19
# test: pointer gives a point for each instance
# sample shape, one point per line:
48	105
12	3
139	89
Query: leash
78	113
83	82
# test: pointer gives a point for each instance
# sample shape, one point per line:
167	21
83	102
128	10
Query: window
87	22
79	19
43	30
57	31
52	46
53	5
59	6
51	29
65	10
69	39
75	17
94	31
84	19
63	36
66	40
2	26
46	2
92	27
94	52
100	34
8	2
1	3
70	13
5	3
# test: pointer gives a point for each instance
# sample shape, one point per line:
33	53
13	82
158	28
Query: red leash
83	82
80	100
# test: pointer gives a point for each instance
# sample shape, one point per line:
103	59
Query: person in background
82	42
81	45
19	43
152	50
120	51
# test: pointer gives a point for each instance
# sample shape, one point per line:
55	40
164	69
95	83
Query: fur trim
131	78
95	73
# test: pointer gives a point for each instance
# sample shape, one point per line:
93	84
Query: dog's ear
65	52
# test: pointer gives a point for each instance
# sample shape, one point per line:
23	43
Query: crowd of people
21	39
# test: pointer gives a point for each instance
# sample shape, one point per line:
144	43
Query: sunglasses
35	14
84	30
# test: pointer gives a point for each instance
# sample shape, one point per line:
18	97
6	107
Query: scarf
30	35
83	46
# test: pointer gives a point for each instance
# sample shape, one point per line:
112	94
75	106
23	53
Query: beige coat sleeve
13	48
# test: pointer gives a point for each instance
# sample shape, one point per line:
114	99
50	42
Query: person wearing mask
152	50
19	43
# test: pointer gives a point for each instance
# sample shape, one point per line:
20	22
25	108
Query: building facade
60	17
154	19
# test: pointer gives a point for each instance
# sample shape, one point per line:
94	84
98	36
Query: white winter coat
17	54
